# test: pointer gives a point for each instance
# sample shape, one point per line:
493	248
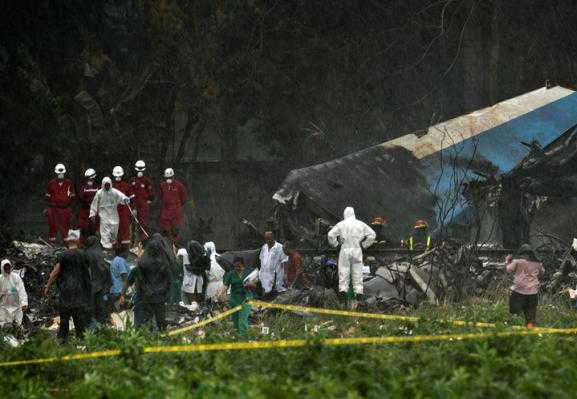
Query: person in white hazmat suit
105	205
215	274
352	235
13	297
271	272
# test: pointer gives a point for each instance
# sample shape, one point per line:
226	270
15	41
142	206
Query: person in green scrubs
240	292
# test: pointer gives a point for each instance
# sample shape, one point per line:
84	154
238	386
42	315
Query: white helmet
60	168
140	166
118	171
90	173
169	172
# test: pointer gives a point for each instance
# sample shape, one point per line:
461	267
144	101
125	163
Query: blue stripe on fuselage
499	145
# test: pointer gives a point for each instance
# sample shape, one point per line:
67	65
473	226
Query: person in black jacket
72	276
100	279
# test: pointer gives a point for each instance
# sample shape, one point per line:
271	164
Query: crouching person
13	297
241	282
527	271
72	276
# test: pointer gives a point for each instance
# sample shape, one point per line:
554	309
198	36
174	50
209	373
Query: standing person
72	276
100	278
173	197
294	267
119	273
240	293
152	279
352	235
59	193
143	191
86	195
195	263
527	271
420	238
105	205
271	272
215	274
124	216
13	297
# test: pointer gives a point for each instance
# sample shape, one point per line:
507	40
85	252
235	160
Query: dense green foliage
535	366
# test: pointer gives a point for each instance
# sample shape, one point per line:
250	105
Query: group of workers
90	289
113	206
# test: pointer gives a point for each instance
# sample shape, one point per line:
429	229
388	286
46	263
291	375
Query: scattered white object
572	293
366	270
574	244
264	330
12	341
192	307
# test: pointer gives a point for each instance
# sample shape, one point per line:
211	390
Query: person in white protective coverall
271	272
215	274
352	234
105	204
13	297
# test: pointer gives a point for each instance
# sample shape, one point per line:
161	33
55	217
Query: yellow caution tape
363	315
204	322
299	343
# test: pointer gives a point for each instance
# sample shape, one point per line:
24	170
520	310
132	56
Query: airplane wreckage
500	176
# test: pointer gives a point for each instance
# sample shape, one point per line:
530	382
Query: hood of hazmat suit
99	270
12	295
216	272
153	276
352	234
105	203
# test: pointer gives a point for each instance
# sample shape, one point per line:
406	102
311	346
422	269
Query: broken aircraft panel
423	176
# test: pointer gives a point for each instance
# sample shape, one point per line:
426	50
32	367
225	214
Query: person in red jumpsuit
124	216
173	197
143	191
86	195
59	193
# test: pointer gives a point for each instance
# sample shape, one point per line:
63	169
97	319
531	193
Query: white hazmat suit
215	274
352	233
105	204
12	296
271	272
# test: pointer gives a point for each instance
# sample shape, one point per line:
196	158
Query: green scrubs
238	296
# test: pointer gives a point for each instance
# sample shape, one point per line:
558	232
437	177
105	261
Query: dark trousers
144	312
100	308
524	304
78	315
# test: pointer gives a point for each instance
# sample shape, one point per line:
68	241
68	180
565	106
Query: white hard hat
90	173
117	171
169	172
140	166
60	168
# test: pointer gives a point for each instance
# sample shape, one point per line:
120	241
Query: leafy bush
532	366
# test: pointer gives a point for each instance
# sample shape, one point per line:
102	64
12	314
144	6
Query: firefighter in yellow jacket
420	237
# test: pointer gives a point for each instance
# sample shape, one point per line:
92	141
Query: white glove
126	201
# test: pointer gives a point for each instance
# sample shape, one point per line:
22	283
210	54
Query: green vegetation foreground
535	366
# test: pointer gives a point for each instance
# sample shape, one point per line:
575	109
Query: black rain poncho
99	269
74	281
153	274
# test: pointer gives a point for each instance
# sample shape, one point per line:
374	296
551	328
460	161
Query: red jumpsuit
173	197
143	191
123	213
59	193
86	195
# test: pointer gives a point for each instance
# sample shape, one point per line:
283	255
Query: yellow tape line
298	343
364	315
204	322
